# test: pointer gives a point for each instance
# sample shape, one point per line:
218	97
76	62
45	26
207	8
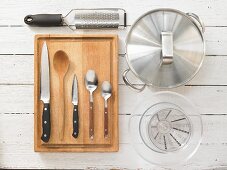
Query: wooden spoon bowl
61	62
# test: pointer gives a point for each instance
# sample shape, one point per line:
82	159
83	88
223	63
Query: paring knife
75	108
45	93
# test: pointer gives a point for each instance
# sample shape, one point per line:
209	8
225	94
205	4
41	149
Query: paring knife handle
106	122
46	122
75	122
44	20
91	120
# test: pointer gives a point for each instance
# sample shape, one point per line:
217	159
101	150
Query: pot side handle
127	83
197	18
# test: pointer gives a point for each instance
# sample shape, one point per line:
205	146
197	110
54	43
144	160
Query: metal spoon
106	93
91	83
61	65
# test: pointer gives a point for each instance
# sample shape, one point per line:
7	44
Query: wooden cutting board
96	52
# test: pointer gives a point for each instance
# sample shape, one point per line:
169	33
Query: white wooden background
208	90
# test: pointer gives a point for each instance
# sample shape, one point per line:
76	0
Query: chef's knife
45	93
75	108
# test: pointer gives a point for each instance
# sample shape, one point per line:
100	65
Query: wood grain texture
84	52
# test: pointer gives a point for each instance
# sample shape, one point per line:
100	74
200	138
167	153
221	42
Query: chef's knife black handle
75	122
44	20
46	122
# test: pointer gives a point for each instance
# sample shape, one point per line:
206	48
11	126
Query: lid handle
198	19
167	47
125	79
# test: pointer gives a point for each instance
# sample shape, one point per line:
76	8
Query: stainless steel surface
91	82
197	18
169	129
45	75
145	50
100	19
167	47
106	91
95	18
127	82
75	91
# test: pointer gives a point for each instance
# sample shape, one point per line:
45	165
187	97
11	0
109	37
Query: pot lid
165	48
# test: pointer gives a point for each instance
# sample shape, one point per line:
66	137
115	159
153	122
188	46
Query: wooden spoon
61	65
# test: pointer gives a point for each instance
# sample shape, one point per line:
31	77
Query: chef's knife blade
75	108
45	93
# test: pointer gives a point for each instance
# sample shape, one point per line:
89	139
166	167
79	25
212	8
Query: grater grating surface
97	19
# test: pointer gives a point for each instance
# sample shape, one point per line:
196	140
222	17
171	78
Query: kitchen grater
96	18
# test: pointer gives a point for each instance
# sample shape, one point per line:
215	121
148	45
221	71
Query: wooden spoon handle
61	116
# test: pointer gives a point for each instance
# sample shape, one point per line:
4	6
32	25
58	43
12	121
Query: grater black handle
44	20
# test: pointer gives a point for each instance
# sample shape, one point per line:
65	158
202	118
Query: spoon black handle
91	120
75	121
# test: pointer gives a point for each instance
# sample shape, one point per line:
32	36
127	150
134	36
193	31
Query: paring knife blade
45	93
75	91
75	108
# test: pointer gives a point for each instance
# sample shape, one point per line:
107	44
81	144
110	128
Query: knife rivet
105	112
74	109
45	122
45	108
75	133
75	121
45	135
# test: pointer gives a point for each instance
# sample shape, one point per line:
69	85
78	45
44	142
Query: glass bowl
166	129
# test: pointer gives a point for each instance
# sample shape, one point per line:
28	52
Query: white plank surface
21	39
212	12
208	90
207	157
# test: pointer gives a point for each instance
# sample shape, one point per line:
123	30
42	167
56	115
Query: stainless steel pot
165	48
